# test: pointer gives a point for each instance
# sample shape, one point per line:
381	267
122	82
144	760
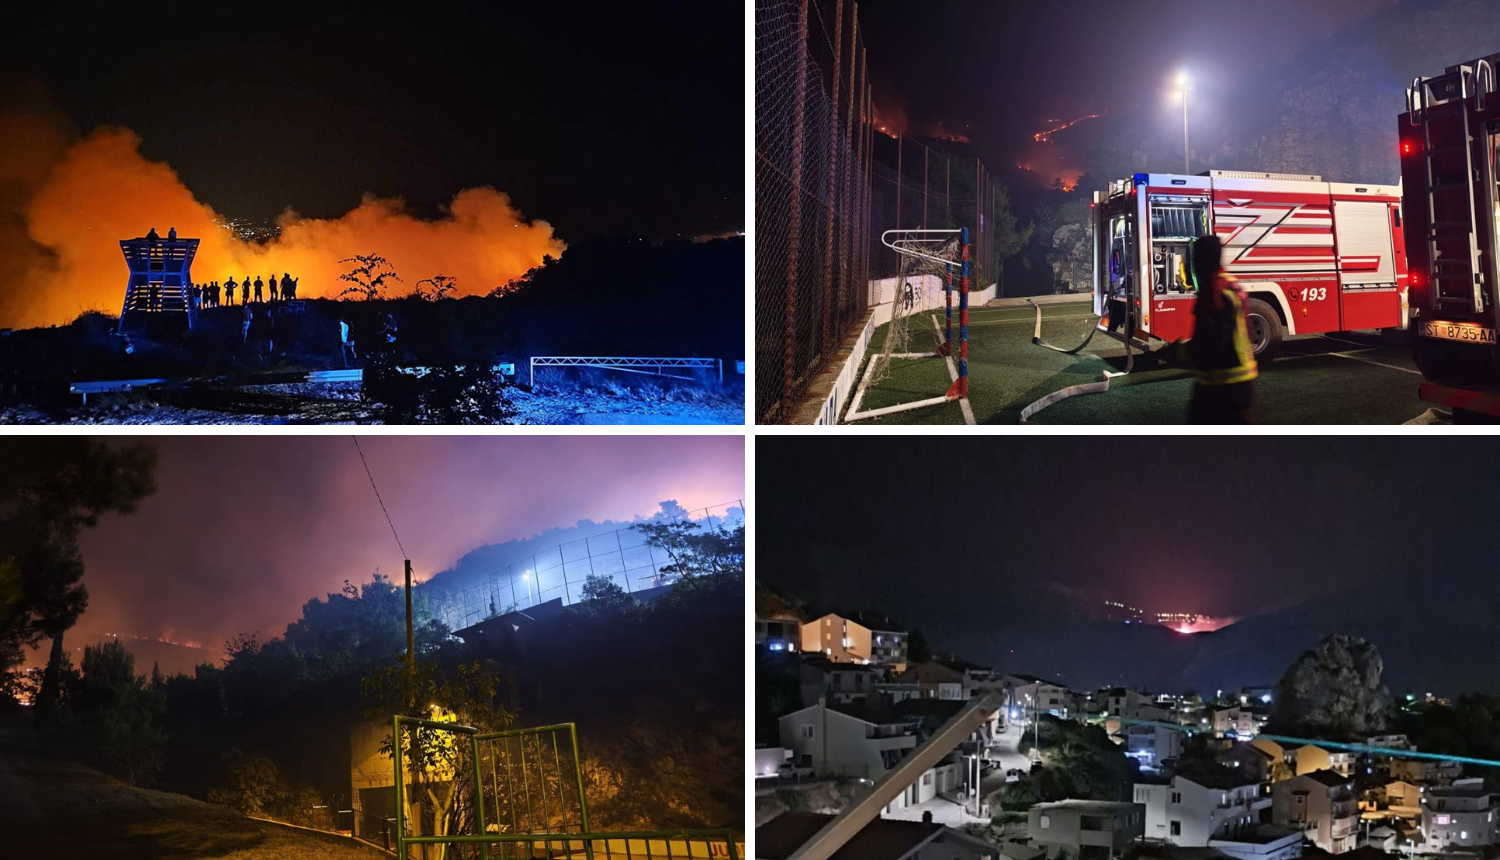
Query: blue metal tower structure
160	278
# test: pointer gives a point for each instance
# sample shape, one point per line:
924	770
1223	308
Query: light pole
1184	86
527	576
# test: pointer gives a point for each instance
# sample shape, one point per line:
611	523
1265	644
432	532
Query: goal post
926	256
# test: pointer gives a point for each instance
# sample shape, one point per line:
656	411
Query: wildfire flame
65	203
1046	136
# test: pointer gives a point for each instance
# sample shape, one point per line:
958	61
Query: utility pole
411	653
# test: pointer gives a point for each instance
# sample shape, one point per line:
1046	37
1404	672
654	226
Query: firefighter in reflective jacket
1220	351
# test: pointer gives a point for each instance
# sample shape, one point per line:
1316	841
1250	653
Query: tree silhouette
367	277
50	490
439	287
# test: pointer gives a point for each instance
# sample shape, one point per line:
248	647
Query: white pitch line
1374	362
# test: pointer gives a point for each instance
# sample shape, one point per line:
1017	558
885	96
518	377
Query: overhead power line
378	498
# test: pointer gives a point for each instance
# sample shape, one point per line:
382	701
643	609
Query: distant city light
1267	698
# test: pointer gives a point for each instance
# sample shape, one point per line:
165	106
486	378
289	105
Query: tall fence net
812	192
830	178
624	556
919	187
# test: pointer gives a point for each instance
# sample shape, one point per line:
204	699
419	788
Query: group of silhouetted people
208	295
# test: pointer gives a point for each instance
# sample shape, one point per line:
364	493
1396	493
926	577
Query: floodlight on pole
1184	86
527	576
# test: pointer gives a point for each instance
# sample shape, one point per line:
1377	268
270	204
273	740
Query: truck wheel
1265	331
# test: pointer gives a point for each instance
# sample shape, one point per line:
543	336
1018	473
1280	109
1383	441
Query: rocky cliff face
1335	688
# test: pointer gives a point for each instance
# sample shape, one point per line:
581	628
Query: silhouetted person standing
152	236
229	288
288	287
258	285
271	284
172	233
346	346
1223	358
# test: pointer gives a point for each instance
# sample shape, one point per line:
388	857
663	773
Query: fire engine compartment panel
1327	256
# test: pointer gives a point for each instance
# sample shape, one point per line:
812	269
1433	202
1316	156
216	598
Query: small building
1321	804
1404	799
1085	829
818	678
1312	758
1152	745
849	740
1458	816
1425	771
1192	812
838	639
778	634
935	680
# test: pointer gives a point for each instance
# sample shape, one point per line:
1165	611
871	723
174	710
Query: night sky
946	534
1000	72
600	118
242	531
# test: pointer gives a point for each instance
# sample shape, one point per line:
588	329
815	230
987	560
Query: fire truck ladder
1456	280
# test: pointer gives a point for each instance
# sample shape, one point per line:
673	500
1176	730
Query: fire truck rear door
1367	265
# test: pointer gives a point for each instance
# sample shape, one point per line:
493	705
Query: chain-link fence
812	183
928	189
623	556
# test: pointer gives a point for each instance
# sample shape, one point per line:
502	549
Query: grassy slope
1308	385
80	812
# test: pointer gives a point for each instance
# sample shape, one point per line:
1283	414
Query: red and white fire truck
1450	173
1313	256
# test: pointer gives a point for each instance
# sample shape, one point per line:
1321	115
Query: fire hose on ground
1074	390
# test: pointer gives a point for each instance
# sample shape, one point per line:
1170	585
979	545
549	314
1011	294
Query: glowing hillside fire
1046	136
77	199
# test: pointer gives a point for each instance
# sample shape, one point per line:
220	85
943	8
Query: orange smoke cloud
76	200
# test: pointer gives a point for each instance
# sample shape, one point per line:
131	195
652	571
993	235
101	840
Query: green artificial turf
1373	383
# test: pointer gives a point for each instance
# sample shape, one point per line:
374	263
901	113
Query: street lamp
1184	86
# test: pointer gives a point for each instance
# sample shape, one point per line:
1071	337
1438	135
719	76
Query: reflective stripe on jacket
1220	349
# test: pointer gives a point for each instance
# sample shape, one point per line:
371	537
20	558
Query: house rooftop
1262	834
881	839
1330	778
880	715
1086	807
1223	781
1458	791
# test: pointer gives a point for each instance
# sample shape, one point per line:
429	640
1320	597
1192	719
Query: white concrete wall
882	294
768	760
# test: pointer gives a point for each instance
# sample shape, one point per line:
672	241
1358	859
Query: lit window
1046	822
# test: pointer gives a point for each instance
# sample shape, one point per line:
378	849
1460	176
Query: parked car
791	771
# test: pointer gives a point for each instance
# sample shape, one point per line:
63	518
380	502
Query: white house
860	741
1150	745
847	740
1458	816
1080	829
1030	694
1188	813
